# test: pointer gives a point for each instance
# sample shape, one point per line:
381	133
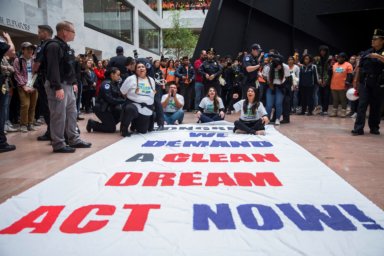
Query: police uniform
43	100
250	77
63	113
107	108
371	89
211	67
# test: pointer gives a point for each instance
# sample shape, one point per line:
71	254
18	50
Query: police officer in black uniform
211	71
45	33
108	104
251	64
60	87
370	81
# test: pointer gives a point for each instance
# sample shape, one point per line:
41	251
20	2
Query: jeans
275	98
316	96
170	118
199	90
3	139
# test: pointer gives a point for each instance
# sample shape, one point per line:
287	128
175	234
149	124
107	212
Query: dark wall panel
291	24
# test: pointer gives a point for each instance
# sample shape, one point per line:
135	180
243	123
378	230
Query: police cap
46	28
256	47
211	50
378	33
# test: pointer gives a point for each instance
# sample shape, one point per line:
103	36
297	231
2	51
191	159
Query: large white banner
193	190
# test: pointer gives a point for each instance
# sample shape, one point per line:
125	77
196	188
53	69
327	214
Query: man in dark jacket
119	61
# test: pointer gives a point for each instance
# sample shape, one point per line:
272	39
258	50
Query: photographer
173	106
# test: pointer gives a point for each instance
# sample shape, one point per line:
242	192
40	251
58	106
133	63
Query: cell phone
135	54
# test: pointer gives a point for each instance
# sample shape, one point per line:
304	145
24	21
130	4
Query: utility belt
150	107
375	78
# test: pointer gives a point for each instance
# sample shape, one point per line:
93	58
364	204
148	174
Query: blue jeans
206	118
199	91
3	106
276	100
171	118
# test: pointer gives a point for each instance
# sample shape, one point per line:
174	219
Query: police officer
369	80
45	33
60	87
108	104
211	71
251	64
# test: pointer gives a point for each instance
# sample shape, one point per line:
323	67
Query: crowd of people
49	81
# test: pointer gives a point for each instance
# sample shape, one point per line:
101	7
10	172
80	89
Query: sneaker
176	122
8	128
31	127
36	123
23	128
354	115
277	122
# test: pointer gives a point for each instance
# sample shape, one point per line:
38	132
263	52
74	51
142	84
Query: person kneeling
140	92
211	108
173	106
108	104
253	116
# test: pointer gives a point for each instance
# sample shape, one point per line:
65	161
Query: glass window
111	17
152	4
149	35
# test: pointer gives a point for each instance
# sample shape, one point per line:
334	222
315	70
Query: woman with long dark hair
277	75
211	108
140	91
108	104
253	116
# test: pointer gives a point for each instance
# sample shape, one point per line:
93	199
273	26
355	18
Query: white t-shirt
295	73
29	71
248	116
276	80
142	92
208	105
171	107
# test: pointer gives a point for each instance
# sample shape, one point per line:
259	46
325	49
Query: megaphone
352	94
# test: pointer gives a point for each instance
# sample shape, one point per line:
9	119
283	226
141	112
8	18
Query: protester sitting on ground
108	104
253	116
140	92
211	108
173	103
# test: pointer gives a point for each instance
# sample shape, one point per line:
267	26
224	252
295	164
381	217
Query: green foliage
179	41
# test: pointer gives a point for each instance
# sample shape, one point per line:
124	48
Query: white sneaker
277	122
354	115
8	128
176	122
23	128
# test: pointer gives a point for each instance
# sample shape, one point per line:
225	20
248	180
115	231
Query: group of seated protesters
134	104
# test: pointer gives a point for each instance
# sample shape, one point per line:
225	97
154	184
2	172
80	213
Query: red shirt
198	76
